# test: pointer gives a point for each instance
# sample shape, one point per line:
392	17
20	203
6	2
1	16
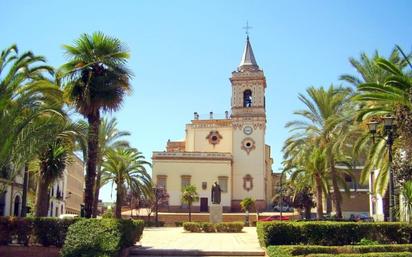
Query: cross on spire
246	28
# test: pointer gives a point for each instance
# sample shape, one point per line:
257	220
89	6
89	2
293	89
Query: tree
126	168
390	96
189	196
303	200
369	71
96	80
307	163
25	95
326	123
246	204
407	200
55	144
109	138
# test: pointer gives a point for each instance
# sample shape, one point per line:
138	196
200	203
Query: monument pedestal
215	213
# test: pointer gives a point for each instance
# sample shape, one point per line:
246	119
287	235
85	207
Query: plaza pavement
174	241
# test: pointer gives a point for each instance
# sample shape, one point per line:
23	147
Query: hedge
223	227
332	233
45	231
101	237
341	251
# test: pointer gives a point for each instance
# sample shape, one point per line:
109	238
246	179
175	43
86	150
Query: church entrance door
204	204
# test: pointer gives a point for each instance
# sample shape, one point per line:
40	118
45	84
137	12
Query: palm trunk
42	199
190	212
25	189
119	198
307	213
92	153
96	192
336	192
319	198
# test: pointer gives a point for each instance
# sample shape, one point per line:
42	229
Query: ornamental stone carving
214	137
248	144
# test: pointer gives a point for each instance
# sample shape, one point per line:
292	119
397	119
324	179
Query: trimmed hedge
45	231
332	233
341	251
101	237
153	224
223	227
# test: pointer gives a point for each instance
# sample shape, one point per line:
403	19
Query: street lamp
388	131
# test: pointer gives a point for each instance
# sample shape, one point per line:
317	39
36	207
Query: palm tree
407	200
368	69
96	80
189	196
307	163
126	168
391	96
55	144
25	94
53	161
109	138
325	124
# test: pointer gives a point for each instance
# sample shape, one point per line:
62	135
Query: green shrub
331	233
178	223
51	231
348	250
365	241
397	254
104	237
192	226
230	227
208	227
46	231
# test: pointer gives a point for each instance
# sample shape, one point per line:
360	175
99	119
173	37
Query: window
222	181
247	98
161	181
185	180
16	211
51	209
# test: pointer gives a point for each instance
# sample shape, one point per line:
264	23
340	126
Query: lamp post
388	127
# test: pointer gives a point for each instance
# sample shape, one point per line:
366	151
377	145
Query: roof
248	61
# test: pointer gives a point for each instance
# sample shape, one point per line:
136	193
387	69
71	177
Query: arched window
247	98
16	209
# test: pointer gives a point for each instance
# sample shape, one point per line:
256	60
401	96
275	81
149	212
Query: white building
231	151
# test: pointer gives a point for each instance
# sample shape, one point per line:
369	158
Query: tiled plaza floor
175	238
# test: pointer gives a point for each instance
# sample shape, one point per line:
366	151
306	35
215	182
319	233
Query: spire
248	61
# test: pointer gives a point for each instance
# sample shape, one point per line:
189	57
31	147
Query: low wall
28	251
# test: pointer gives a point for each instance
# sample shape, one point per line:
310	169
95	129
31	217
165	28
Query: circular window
214	137
248	144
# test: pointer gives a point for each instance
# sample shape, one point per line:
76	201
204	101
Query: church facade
231	151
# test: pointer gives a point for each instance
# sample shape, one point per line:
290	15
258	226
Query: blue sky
183	52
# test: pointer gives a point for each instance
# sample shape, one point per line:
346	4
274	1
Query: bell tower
249	125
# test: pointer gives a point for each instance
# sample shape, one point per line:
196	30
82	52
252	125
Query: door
203	204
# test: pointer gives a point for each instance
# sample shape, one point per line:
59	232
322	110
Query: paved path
166	240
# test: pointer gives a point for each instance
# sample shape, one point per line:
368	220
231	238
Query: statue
216	190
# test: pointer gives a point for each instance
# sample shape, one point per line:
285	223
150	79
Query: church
231	151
